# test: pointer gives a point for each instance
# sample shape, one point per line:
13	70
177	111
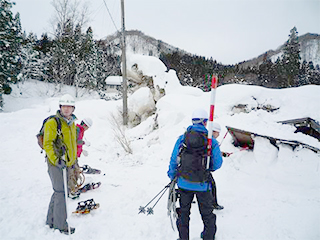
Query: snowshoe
89	186
85	207
171	204
88	170
73	195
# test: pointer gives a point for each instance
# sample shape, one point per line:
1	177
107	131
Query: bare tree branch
68	12
119	133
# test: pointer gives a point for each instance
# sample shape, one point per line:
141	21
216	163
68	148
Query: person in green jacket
61	152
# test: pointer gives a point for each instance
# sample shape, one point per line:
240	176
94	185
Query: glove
85	153
225	154
87	143
61	164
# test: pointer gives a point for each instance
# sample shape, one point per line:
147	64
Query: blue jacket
215	162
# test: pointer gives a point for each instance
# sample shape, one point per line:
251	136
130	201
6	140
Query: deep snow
267	193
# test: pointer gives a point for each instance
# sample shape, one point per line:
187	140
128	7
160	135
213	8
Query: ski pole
150	210
142	209
214	84
64	171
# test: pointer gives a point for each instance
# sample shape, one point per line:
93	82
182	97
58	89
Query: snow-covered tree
32	64
63	63
10	41
291	57
87	73
66	50
107	65
44	44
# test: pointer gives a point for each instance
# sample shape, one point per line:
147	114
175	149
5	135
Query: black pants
205	204
214	192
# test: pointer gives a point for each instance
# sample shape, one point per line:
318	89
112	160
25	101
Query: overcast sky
229	31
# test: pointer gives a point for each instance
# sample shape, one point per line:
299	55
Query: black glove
225	154
61	164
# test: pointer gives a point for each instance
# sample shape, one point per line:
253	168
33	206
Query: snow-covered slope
267	193
309	52
139	43
309	49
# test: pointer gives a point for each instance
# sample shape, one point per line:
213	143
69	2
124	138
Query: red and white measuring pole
214	83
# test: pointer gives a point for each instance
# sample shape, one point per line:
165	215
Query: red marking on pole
209	146
211	113
214	83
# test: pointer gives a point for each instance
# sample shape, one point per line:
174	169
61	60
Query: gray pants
57	214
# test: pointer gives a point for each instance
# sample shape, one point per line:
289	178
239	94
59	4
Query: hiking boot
218	207
50	225
66	231
201	236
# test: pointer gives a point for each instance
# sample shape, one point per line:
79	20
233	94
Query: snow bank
267	193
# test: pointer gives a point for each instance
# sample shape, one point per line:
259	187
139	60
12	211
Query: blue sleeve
174	158
216	156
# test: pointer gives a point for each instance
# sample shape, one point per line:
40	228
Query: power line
110	16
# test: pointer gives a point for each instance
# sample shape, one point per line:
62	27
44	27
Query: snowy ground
267	193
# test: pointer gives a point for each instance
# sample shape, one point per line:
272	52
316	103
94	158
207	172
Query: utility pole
124	69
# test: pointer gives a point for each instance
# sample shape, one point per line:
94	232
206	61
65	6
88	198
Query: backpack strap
59	132
182	148
60	135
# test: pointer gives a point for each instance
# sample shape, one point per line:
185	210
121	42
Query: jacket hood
198	127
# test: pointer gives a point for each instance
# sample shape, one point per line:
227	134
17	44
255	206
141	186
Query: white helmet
88	122
67	100
199	116
216	127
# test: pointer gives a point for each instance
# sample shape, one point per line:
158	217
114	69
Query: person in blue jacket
202	189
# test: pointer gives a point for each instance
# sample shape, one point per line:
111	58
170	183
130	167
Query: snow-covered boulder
140	105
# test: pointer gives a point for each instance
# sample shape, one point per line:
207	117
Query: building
113	83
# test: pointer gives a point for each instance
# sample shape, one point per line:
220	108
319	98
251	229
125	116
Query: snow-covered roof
114	80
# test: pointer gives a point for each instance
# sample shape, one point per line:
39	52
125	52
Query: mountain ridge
140	43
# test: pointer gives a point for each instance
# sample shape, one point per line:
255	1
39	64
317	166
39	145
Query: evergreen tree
10	41
65	51
32	64
44	44
78	41
281	80
44	48
88	61
63	64
304	73
107	65
291	57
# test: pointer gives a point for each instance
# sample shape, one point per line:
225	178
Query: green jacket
69	140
